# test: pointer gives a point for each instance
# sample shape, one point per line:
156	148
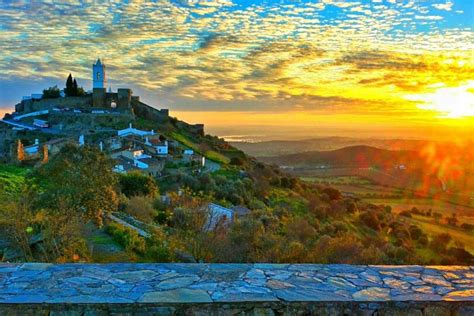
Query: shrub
415	232
405	214
332	193
370	220
126	237
51	93
237	161
141	207
135	183
468	227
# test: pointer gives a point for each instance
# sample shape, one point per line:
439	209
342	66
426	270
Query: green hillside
66	214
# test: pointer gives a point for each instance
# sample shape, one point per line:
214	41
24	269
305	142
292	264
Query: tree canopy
82	178
72	89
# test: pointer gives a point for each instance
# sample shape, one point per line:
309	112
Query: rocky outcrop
228	289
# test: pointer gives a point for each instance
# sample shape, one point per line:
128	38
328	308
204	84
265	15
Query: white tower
98	75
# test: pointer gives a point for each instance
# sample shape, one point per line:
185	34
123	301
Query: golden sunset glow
453	102
409	60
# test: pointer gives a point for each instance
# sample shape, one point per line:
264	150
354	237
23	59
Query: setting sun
453	102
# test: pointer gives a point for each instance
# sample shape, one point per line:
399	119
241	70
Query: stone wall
145	111
27	106
87	121
231	289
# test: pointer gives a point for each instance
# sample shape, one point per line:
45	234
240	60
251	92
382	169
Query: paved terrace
222	288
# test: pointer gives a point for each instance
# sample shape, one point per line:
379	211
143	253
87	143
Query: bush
237	161
51	93
415	232
141	207
135	183
468	227
370	220
405	214
127	238
332	193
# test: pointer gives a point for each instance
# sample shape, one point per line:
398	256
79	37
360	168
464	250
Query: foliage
208	153
49	235
12	179
127	237
72	89
82	177
51	93
136	183
141	208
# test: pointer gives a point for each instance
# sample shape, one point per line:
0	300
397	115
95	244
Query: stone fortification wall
143	110
78	121
231	289
26	106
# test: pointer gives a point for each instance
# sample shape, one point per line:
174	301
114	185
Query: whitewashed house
135	154
162	148
218	214
32	149
40	123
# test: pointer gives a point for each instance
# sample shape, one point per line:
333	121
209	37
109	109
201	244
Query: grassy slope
12	178
209	154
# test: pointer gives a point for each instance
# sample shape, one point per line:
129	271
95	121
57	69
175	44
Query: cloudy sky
299	66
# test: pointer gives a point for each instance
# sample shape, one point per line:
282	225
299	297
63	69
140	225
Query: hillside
347	157
108	194
281	218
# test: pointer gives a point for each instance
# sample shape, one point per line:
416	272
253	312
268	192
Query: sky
268	69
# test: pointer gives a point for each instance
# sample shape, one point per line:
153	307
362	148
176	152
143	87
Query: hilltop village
136	136
114	122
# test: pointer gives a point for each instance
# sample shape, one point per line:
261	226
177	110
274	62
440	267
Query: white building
135	154
133	131
40	123
162	148
32	149
218	214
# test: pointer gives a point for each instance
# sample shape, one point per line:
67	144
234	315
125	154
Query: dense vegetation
46	214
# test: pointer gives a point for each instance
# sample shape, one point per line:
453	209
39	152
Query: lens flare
453	102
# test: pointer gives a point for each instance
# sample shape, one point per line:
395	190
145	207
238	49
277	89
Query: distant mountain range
284	147
361	156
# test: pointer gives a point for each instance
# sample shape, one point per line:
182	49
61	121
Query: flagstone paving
199	283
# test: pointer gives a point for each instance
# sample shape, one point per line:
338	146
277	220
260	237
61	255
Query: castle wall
99	96
86	121
143	110
27	106
124	97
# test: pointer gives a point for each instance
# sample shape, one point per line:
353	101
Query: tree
136	183
237	161
72	89
453	220
20	151
82	178
69	90
333	194
45	154
51	93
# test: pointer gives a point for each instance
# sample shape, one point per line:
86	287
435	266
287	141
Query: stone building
98	75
